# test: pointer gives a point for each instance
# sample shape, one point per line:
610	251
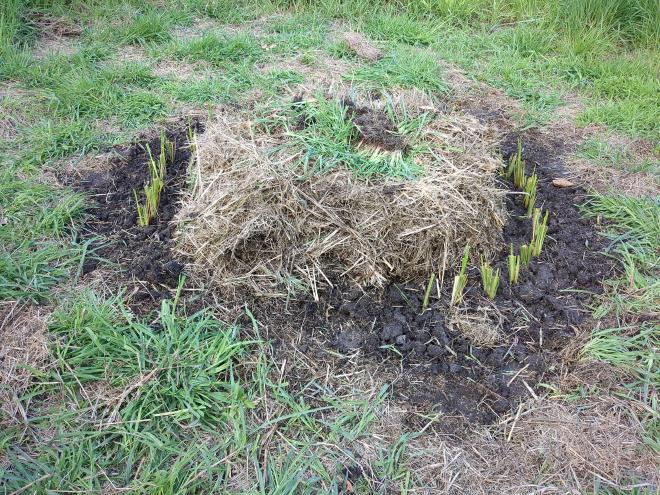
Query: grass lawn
200	392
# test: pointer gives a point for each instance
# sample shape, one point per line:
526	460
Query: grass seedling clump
525	254
460	280
490	278
513	263
148	210
539	230
516	168
530	188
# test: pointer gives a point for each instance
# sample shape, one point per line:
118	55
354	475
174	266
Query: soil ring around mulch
453	371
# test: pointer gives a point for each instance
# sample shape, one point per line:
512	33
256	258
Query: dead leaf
561	182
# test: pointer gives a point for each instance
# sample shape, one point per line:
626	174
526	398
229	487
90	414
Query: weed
490	278
460	280
513	264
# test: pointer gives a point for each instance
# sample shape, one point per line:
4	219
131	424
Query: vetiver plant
539	230
490	278
460	280
525	254
530	187
148	210
513	263
516	168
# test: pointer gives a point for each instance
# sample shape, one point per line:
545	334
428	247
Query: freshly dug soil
142	253
446	368
374	127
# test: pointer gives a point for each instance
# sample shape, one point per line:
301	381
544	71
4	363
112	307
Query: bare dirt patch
472	364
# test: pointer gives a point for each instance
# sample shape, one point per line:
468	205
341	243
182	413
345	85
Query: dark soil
143	253
374	127
444	371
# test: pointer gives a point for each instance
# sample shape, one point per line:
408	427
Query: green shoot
148	210
539	230
516	168
490	279
525	254
427	294
513	262
530	188
460	280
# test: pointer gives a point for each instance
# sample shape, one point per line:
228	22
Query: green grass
217	49
329	139
403	68
634	231
36	251
619	157
187	405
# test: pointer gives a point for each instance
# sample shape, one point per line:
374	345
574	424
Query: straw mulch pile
253	220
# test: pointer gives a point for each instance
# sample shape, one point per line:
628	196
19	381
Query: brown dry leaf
561	182
362	46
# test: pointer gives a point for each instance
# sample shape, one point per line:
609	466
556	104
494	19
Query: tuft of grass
36	250
324	129
290	35
618	157
460	280
389	26
404	68
634	230
217	49
490	278
227	11
148	27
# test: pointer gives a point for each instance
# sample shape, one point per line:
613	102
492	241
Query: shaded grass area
183	405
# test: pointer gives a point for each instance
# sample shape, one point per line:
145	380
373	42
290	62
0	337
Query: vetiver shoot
157	170
529	199
513	263
525	254
490	278
460	280
539	230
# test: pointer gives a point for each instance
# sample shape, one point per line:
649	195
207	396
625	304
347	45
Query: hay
252	219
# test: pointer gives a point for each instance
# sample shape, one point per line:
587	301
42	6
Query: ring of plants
473	337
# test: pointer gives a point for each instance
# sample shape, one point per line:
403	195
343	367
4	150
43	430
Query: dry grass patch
23	333
263	212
